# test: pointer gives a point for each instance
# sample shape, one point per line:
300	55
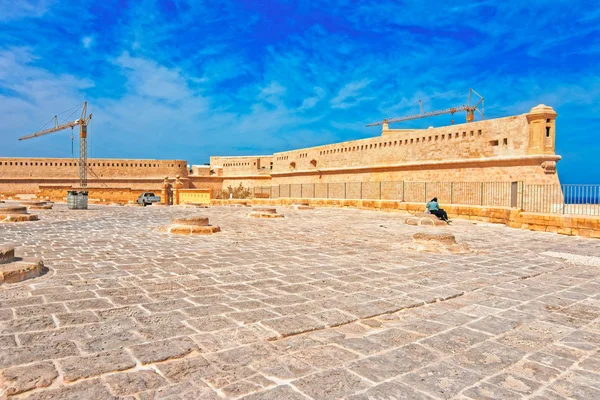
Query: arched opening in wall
292	165
313	163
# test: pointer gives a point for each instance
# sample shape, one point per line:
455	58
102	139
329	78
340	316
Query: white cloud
310	102
20	9
87	41
348	96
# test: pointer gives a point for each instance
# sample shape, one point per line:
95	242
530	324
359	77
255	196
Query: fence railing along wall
555	199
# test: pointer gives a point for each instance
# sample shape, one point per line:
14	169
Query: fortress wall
516	148
214	183
242	166
465	141
24	175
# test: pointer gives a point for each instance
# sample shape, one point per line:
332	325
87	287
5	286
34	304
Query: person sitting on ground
434	208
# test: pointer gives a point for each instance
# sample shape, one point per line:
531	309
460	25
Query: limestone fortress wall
514	148
24	175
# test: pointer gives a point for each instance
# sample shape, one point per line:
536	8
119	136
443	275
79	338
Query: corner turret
542	130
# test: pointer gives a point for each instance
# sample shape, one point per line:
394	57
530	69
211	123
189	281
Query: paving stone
494	325
454	340
325	356
330	384
252	316
77	318
240	388
163	350
387	365
534	371
279	393
515	383
194	368
40	309
7	341
24	355
489	357
75	368
28	324
213	323
110	341
126	383
286	367
17	380
91	389
391	390
490	392
442	380
68	333
394	337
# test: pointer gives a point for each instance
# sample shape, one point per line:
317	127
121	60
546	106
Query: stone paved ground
323	304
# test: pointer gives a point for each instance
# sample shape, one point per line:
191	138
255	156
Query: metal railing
467	193
562	199
555	199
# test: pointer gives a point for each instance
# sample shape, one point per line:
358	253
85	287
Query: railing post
379	190
523	195
344	190
563	198
403	191
513	194
451	192
314	190
327	189
481	195
361	190
301	190
425	194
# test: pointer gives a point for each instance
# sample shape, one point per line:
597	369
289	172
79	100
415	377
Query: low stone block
18	270
15	214
37	205
190	226
7	254
425	220
301	206
437	243
264	212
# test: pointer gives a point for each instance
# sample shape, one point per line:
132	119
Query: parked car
148	198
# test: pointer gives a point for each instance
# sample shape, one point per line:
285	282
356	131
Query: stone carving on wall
549	167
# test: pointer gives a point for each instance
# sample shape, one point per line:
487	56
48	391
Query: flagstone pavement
323	304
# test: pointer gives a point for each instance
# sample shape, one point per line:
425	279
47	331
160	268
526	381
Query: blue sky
191	79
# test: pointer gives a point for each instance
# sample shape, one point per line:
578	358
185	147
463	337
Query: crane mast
470	110
82	122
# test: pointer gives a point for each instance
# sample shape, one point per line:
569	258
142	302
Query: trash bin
77	200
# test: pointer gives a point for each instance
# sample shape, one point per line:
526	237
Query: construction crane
82	122
470	109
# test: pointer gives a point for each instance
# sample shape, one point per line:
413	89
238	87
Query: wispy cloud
23	9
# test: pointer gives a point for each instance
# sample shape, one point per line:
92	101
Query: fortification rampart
242	166
504	149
